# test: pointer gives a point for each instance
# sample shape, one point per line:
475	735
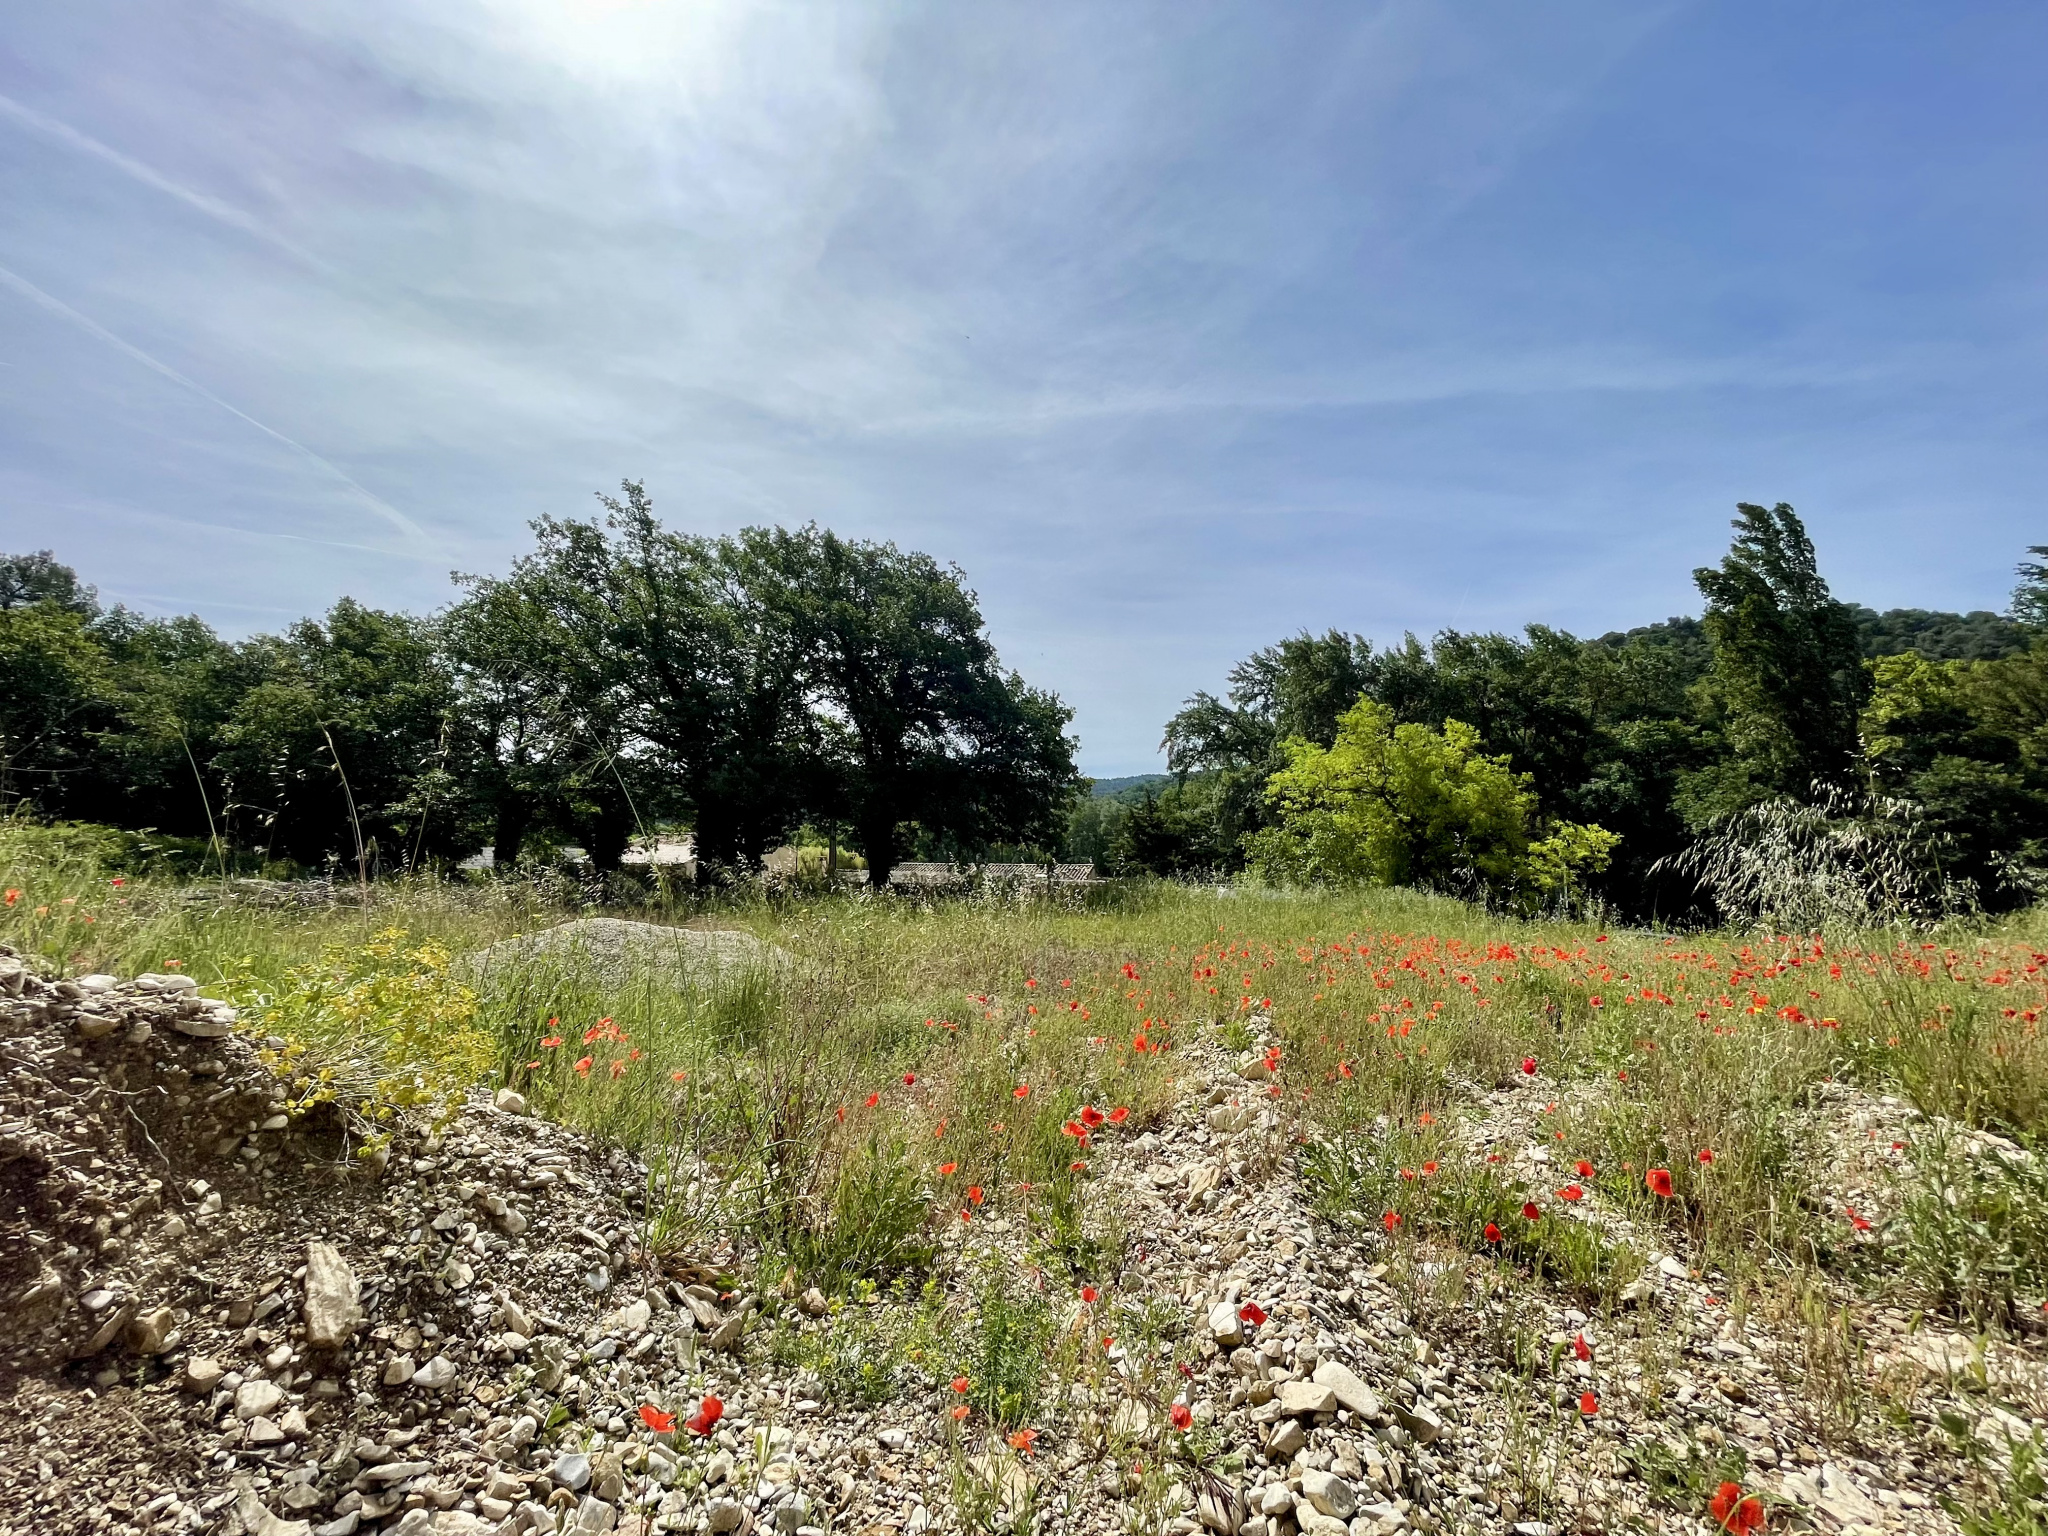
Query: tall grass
890	1066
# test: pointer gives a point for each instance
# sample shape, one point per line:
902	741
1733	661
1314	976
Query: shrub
1390	804
383	1025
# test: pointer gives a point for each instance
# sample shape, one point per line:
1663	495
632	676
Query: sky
1180	327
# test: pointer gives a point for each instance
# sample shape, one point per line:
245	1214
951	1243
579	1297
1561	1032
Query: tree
1787	676
689	661
545	722
916	720
26	580
1299	687
1401	804
54	698
1967	744
2030	597
342	749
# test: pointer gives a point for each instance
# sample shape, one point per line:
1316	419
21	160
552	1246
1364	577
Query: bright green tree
1390	804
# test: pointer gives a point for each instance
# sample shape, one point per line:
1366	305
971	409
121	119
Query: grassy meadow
891	1066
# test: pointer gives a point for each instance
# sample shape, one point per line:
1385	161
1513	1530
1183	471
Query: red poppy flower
1251	1312
1391	1220
1529	1065
961	1384
1023	1441
1091	1116
974	1193
1860	1223
1581	1348
551	1042
1183	1417
13	896
1706	1154
1078	1165
1492	1233
1088	1294
1530	1212
873	1099
661	1423
1583	1169
1735	1514
708	1413
1031	981
1588	1404
583	1066
1658	1182
1571	1193
962	1411
1120	1114
1020	1090
1429	1167
946	1169
910	1079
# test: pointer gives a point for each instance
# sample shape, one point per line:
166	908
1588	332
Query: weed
2010	1492
1971	1234
1684	1476
1007	1348
385	1025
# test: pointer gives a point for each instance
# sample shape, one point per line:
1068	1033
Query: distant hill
1977	636
1130	787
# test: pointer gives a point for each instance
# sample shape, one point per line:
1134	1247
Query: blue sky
1180	327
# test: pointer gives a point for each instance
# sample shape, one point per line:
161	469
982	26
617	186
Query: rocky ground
215	1317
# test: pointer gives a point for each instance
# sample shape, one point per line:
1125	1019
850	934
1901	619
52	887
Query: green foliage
1007	1348
2030	597
877	1219
1974	636
1972	1233
382	1024
1965	740
1787	677
865	1353
1389	804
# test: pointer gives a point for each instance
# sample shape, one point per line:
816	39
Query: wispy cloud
417	535
213	207
1179	327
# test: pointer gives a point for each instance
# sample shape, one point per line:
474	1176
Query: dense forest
1658	734
778	684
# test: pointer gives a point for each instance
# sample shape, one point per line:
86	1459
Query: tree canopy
621	675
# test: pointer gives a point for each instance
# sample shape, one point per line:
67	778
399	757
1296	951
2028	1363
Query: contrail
377	504
149	176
